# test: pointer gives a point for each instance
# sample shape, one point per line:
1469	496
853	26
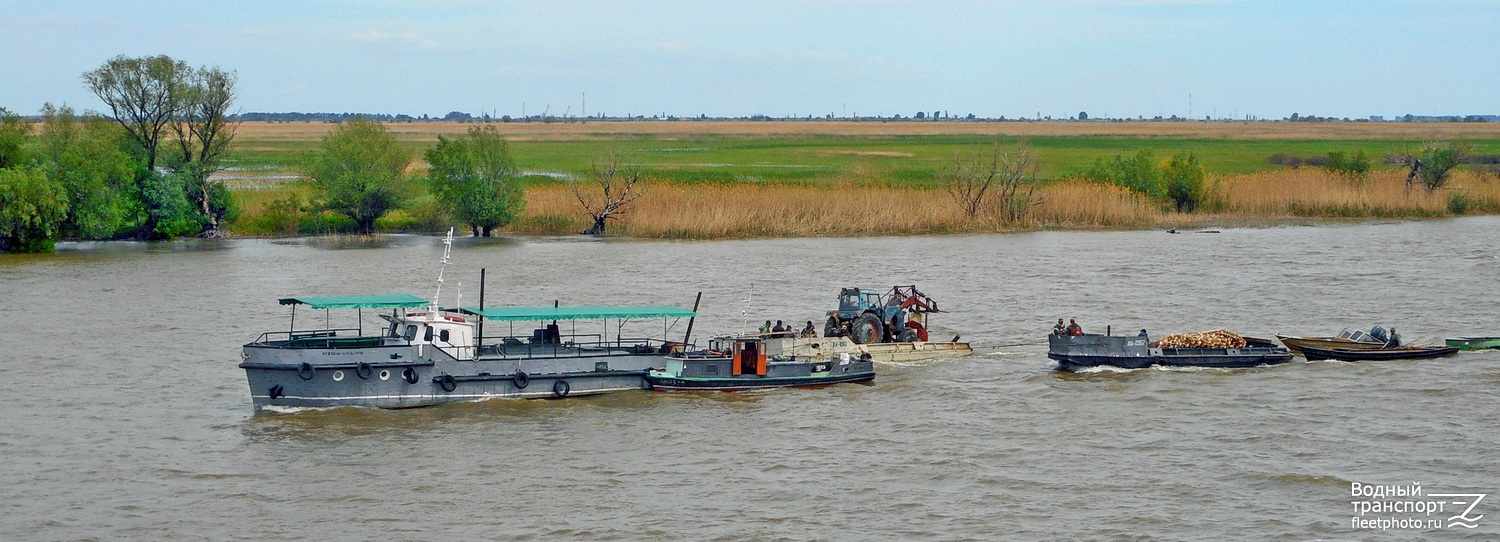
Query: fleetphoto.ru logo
1406	507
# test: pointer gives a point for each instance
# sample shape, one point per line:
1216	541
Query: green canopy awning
576	313
387	301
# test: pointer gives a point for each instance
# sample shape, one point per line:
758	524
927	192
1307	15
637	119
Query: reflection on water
126	416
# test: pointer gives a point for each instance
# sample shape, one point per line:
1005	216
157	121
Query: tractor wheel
866	329
908	336
831	329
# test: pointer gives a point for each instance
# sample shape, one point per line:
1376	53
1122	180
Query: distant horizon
1126	59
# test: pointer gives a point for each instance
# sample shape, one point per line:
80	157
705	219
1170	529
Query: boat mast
432	307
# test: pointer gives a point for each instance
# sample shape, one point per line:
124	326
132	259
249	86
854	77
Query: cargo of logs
1218	338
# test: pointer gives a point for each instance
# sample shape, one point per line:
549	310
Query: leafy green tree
86	158
169	213
360	172
1435	166
1182	177
144	95
203	133
474	176
31	209
13	136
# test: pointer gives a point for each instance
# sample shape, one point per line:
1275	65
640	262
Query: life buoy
447	382
561	388
453	319
521	380
410	374
364	370
306	371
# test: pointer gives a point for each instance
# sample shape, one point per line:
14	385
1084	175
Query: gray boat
425	355
1135	352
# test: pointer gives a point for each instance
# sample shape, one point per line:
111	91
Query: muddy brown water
125	416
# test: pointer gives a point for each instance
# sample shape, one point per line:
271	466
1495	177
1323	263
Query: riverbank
847	208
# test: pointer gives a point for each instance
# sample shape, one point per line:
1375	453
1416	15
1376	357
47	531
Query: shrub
1354	167
1182	177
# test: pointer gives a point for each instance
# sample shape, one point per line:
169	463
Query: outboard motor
1379	333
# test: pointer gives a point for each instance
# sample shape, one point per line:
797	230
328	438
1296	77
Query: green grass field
905	160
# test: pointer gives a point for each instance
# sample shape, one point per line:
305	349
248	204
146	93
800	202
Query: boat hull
1295	344
1473	343
1074	353
407	376
659	382
1346	354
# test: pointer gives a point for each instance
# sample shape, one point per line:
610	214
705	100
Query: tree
85	158
143	94
1018	182
1436	164
359	172
203	134
31	209
619	186
13	135
474	176
970	180
1005	180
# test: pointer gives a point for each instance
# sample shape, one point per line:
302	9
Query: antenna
745	312
447	252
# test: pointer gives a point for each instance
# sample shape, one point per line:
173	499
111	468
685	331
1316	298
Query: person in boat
1394	341
916	326
1074	330
764	329
1060	328
809	331
1143	332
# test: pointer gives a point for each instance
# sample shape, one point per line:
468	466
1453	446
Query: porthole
385	375
338	376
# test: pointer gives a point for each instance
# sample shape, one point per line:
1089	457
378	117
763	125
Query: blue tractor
868	316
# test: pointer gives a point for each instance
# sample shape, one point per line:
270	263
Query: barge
1076	352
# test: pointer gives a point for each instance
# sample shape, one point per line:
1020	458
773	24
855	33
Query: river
126	417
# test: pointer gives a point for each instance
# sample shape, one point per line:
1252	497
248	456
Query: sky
1108	58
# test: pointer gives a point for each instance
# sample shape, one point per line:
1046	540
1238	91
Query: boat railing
572	345
322	338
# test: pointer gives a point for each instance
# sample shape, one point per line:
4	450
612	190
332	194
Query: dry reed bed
847	209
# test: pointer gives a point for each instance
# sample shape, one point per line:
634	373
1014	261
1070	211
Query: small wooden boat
740	363
1368	354
1348	339
1473	343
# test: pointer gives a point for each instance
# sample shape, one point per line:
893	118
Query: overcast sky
1120	58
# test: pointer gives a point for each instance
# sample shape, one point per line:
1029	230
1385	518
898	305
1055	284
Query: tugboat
1075	352
430	355
741	363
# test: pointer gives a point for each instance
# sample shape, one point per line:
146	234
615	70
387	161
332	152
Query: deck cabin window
427	333
395	330
443	335
411	332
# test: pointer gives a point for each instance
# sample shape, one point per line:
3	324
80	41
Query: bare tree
1005	180
1017	182
143	95
618	186
970	180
